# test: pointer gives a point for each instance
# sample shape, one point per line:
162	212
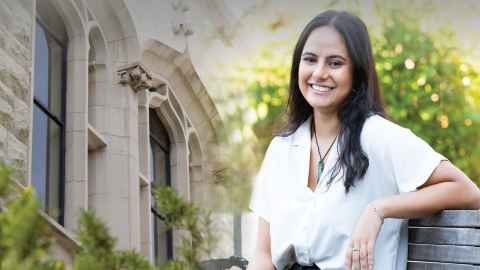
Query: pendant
319	169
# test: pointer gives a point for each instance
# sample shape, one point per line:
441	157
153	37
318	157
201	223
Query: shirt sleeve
410	158
260	202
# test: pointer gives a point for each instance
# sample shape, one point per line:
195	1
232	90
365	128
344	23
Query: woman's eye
336	64
309	59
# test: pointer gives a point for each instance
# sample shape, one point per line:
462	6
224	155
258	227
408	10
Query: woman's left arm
446	188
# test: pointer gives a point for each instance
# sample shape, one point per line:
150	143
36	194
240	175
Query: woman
336	190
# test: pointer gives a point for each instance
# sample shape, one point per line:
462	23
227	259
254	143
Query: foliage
97	249
428	88
266	87
256	97
24	236
196	223
98	246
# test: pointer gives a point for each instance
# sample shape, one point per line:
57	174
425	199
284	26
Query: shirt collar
302	136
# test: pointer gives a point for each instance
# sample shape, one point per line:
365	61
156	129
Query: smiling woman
342	173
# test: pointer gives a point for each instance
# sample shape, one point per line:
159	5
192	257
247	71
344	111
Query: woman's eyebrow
332	56
336	56
309	54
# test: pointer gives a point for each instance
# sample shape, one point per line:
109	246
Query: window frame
60	122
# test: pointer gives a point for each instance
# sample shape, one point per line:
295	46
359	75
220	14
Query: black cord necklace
321	162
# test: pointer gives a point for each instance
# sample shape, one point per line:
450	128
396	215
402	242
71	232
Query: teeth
320	88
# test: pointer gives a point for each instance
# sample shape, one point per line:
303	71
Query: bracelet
379	213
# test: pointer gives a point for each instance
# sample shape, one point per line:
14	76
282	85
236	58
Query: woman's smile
320	88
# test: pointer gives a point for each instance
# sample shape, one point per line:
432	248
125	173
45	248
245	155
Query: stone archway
118	28
177	69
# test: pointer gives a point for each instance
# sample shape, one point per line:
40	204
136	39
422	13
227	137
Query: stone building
99	100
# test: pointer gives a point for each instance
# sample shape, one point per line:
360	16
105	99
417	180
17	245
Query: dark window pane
39	154
54	160
160	241
49	71
157	130
56	83
46	157
160	175
41	66
159	164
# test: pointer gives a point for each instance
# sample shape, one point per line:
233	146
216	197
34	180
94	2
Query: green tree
24	236
428	87
199	236
97	250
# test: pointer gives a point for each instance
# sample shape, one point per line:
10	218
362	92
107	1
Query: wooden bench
447	241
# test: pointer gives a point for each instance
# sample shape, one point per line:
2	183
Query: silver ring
355	267
355	249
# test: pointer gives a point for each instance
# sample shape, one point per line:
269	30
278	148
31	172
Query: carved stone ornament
136	76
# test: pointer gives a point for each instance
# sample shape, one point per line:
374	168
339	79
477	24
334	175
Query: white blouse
315	226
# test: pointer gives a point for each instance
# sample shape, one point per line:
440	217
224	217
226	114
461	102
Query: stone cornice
136	76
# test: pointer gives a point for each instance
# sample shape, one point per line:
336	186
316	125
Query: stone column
76	135
125	222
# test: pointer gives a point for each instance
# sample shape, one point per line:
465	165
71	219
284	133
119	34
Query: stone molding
136	76
156	99
178	68
64	237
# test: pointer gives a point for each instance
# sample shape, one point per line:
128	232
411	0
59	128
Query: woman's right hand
263	254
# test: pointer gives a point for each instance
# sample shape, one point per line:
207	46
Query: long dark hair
363	100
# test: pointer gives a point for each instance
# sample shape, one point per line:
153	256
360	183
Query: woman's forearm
430	200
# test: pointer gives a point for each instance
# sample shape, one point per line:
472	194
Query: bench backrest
449	240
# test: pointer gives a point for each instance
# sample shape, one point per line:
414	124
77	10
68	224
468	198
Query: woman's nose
320	72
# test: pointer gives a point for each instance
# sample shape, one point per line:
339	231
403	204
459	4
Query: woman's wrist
376	208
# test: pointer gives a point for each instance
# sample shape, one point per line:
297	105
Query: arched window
49	121
160	176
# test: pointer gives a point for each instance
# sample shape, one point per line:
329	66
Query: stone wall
16	24
112	179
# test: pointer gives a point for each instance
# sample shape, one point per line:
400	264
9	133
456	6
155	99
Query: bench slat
450	218
224	263
447	254
439	266
444	236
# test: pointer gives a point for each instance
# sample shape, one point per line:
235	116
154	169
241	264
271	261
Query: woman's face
325	71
